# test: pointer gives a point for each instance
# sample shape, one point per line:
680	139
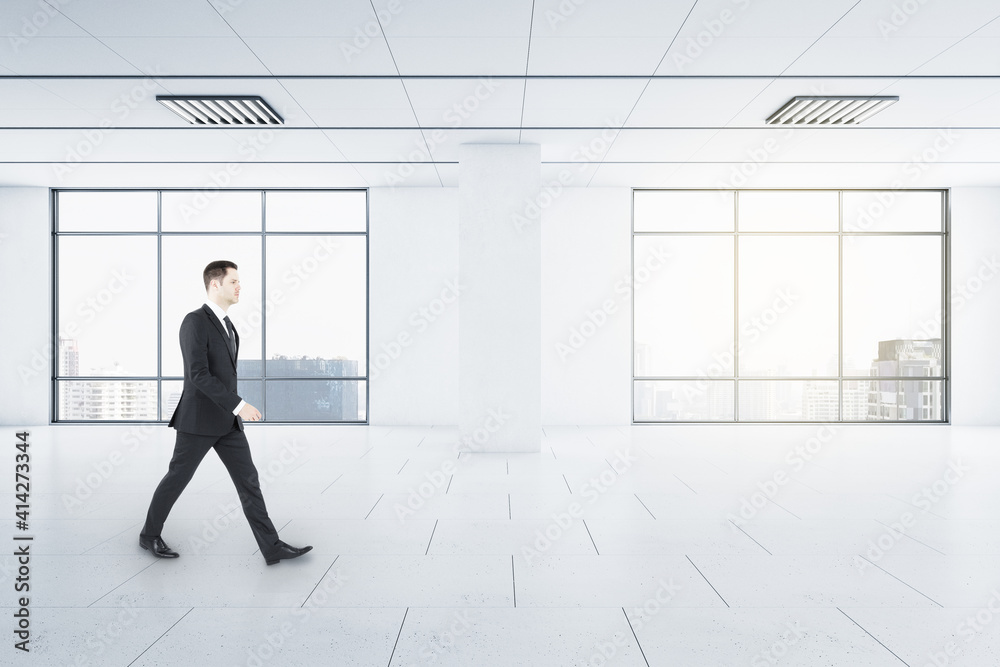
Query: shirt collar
221	314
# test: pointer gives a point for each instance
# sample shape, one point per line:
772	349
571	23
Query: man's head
222	282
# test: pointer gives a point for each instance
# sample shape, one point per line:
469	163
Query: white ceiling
383	92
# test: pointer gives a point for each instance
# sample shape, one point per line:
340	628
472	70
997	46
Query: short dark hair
217	270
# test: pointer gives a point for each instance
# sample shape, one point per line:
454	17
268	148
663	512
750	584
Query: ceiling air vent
208	110
840	110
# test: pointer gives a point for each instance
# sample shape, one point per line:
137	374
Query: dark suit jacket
209	396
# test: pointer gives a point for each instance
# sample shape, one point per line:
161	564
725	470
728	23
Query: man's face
229	290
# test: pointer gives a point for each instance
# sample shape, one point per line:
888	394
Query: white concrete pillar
500	315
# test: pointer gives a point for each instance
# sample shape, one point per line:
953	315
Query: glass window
320	280
788	306
910	268
310	211
893	211
107	306
684	400
129	268
683	293
184	259
211	211
683	210
820	295
315	400
789	211
99	211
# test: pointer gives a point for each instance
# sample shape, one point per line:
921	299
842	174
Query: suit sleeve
194	348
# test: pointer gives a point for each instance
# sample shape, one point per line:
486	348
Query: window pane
893	211
683	211
906	400
211	211
315	400
251	391
107	305
318	326
125	211
304	211
892	291
788	306
683	400
683	306
184	259
855	400
806	211
789	400
125	400
170	396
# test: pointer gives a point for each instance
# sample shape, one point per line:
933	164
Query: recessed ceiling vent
839	110
208	110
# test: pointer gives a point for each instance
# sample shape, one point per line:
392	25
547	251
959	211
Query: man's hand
250	414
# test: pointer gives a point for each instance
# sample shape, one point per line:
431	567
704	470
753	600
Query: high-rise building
900	398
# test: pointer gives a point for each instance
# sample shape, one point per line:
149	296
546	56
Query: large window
790	306
128	268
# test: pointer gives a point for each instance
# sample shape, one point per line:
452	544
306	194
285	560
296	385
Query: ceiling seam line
643	91
278	81
416	119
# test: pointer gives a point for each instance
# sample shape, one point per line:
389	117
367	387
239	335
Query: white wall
586	310
414	330
25	306
975	281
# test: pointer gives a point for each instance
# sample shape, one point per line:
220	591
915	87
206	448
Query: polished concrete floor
634	546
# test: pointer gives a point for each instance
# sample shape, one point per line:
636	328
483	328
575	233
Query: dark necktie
232	335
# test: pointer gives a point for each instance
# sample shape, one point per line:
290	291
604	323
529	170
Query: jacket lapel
221	328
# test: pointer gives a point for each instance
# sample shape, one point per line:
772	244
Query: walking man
210	415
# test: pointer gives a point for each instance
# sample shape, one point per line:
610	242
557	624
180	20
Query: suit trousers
234	451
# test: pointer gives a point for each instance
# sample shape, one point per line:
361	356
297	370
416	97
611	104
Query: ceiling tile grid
379	77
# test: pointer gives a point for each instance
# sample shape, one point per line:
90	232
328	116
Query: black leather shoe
284	552
157	546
